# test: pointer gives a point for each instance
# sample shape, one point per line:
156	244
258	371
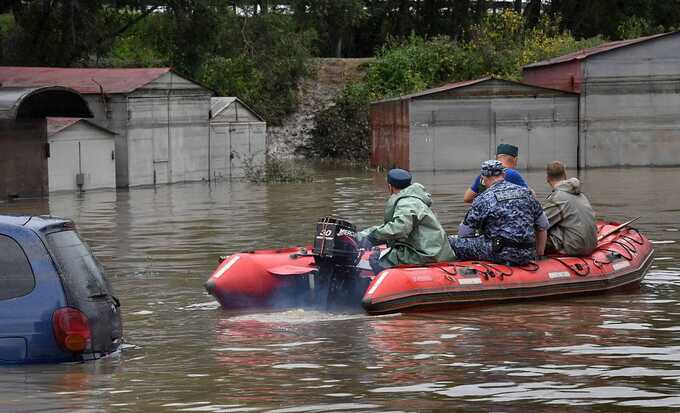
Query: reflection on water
597	353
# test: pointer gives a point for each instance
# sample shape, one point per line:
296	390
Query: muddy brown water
616	352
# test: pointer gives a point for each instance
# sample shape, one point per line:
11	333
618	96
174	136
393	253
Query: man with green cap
507	154
410	229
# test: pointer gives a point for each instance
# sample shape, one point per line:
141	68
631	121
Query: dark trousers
374	262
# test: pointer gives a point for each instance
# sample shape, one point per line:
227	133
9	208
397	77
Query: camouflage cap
492	168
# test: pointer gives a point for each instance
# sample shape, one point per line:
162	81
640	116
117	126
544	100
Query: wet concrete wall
235	144
238	139
459	134
167	137
162	131
110	111
630	105
458	129
23	160
81	148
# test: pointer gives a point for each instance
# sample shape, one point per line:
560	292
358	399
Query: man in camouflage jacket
505	223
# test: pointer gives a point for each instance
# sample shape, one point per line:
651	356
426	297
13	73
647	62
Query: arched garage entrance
23	135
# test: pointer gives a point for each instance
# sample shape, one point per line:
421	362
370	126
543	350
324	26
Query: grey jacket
572	220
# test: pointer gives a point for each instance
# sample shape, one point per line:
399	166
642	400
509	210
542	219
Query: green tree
264	68
333	20
612	18
67	32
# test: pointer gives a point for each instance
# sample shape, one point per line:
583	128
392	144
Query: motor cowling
336	242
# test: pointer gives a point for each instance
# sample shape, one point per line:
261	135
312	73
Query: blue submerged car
55	303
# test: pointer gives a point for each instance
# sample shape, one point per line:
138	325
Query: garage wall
631	105
449	134
232	143
459	134
544	129
167	136
81	147
110	112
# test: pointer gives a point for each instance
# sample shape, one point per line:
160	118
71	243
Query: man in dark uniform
505	223
507	154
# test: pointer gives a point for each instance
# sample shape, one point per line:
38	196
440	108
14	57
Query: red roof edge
605	47
462	84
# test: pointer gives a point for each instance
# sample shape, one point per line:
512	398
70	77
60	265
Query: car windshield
81	271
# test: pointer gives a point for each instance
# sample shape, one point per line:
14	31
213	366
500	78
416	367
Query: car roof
36	223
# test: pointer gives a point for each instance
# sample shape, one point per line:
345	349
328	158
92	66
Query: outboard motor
336	242
336	253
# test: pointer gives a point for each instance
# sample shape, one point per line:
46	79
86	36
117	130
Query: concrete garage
629	99
161	119
237	135
457	126
82	155
23	135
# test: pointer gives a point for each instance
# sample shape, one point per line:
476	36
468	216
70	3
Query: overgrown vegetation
499	46
274	170
341	131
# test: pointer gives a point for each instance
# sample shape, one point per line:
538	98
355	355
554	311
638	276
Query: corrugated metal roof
56	125
49	101
585	53
84	80
444	88
460	85
218	104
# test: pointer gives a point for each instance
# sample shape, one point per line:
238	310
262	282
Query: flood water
616	352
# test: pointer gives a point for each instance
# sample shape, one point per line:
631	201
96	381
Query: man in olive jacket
572	229
410	229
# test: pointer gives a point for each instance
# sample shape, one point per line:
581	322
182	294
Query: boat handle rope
490	268
599	263
526	267
626	249
449	274
489	271
575	268
627	244
635	231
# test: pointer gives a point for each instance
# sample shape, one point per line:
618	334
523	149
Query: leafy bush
501	45
340	131
633	27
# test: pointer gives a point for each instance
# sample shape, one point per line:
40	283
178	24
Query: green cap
507	149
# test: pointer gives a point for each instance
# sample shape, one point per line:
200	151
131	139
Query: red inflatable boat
296	276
